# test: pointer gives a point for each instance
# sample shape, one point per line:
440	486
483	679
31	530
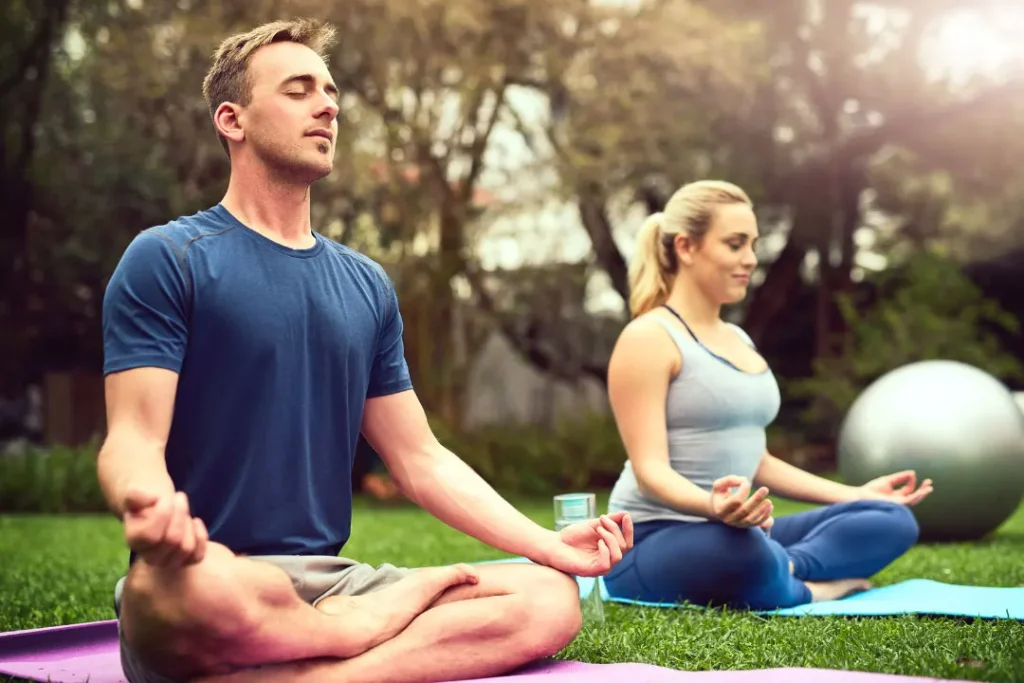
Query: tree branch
594	217
480	139
912	117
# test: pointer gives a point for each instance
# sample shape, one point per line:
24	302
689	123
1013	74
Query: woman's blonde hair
691	210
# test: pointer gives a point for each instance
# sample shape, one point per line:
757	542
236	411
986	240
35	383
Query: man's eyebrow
308	79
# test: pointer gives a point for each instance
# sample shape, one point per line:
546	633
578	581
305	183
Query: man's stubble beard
293	168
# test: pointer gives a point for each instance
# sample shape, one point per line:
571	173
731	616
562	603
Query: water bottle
571	508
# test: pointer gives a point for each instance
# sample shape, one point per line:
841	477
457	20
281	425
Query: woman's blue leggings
710	563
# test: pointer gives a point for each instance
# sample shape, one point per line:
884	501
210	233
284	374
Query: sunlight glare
966	44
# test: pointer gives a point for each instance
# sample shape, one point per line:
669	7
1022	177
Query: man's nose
328	106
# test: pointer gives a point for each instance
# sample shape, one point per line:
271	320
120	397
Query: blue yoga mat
916	596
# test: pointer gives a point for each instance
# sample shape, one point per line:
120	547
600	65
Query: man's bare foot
383	614
835	590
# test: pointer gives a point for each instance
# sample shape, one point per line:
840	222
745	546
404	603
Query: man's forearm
789	481
446	487
127	461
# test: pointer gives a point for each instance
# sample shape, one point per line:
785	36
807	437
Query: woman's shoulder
649	327
649	339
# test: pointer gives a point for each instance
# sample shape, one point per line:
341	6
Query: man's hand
898	488
161	531
593	547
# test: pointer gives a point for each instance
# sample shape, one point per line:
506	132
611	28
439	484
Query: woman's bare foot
835	590
380	616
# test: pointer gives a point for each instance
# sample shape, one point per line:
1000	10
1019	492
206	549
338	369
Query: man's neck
695	308
276	209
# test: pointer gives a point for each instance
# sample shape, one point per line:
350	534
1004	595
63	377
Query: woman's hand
730	505
898	488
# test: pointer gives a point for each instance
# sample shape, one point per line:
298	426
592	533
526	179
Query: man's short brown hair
228	77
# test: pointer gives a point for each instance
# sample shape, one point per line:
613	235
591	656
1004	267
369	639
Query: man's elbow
413	461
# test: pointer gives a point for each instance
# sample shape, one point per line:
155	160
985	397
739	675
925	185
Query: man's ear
227	121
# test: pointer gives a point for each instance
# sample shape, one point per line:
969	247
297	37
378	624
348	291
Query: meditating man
692	398
244	354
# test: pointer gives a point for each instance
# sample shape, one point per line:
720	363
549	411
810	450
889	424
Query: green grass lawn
61	570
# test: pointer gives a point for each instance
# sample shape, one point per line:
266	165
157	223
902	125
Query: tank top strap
699	343
743	335
680	319
682	341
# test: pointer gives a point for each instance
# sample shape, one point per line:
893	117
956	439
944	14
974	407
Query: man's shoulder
185	231
361	263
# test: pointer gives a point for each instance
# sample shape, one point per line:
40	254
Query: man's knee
551	616
184	621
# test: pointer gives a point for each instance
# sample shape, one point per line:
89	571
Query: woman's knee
901	526
710	564
755	561
889	520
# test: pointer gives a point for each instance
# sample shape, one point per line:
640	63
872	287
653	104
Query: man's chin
320	173
307	173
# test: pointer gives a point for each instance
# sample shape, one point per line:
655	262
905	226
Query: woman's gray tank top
716	417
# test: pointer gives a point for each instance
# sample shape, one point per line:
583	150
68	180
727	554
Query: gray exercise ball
951	423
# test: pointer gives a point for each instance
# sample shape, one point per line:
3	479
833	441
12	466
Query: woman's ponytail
649	279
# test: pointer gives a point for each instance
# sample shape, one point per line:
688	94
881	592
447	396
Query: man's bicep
389	373
140	402
145	307
396	426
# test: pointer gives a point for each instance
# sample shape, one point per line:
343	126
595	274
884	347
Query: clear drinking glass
571	508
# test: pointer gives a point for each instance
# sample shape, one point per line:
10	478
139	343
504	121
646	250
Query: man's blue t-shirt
276	350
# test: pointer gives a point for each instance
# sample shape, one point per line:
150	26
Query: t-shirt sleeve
390	371
145	318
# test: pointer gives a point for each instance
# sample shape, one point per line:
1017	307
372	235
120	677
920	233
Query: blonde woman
692	398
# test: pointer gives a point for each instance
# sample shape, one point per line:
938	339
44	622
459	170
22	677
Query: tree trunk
17	192
443	326
595	220
780	284
847	184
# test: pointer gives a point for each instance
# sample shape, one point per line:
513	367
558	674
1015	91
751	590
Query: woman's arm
789	481
639	371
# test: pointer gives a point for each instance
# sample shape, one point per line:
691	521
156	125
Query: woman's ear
684	248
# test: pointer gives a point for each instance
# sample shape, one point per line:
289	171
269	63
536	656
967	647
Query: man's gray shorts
314	578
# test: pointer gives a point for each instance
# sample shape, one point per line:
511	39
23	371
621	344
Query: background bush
516	460
50	480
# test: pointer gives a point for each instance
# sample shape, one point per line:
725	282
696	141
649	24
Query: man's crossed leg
230	619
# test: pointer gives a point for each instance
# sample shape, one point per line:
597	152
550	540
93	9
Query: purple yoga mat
64	654
89	652
579	672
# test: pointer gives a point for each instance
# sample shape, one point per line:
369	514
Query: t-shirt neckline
307	252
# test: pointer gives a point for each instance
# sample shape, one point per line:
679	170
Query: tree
30	34
834	88
923	308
